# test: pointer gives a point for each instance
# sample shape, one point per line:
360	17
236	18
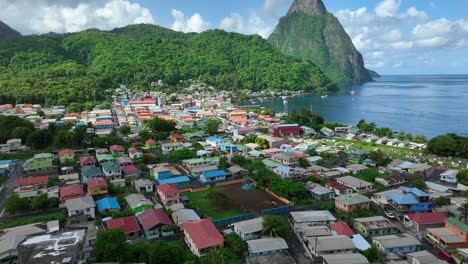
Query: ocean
419	104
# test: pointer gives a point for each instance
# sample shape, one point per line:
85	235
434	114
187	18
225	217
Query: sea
430	105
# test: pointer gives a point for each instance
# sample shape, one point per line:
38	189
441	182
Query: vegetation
379	158
212	126
373	254
80	67
206	205
274	225
15	203
304	117
182	154
463	176
449	145
231	252
32	220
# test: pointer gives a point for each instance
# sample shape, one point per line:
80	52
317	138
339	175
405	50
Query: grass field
205	206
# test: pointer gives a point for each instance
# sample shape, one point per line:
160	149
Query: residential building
248	229
117	150
111	169
143	185
131	172
201	236
71	192
422	221
381	198
411	200
423	257
326	245
97	186
36	182
183	215
286	159
264	246
128	224
191	164
107	204
168	194
66	154
322	217
338	188
81	206
40	162
399	243
169	147
177	138
349	202
180	182
356	184
453	235
278	130
89	172
134	153
152	220
138	202
375	226
87	161
350	258
449	176
322	193
212	177
340	228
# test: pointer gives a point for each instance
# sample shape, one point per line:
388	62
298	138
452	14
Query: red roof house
421	221
168	193
128	224
338	187
152	220
97	186
342	229
38	180
177	138
201	236
116	148
71	192
87	161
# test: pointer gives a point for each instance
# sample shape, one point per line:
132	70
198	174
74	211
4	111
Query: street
427	246
9	186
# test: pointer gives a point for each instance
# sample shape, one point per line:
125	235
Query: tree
178	155
304	117
111	246
420	184
263	143
379	158
463	176
40	113
39	139
235	243
77	107
304	163
419	139
239	160
21	132
105	105
160	125
125	130
223	162
274	225
212	126
221	255
449	145
197	146
40	202
373	254
14	203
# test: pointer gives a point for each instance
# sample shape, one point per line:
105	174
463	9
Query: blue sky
394	36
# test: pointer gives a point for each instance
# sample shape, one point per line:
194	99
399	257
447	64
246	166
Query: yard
232	200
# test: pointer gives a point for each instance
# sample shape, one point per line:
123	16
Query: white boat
352	92
285	102
324	96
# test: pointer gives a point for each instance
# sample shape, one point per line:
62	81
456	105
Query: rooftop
428	218
398	240
328	243
374	222
352	199
353	258
312	216
154	217
249	226
342	229
447	235
128	224
266	245
203	233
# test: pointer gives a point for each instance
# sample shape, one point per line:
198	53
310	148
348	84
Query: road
427	245
15	173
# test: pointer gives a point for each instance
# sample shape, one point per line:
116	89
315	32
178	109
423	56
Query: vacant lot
232	200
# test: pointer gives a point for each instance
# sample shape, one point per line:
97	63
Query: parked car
390	215
420	237
446	256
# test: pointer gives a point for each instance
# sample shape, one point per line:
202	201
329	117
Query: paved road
15	173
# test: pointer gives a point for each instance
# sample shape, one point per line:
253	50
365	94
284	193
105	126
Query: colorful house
138	202
349	202
66	154
449	176
422	221
104	124
107	204
411	200
375	226
400	243
97	186
35	182
151	143
128	224
111	169
169	147
89	172
278	130
265	246
341	229
71	192
131	172
117	150
180	181
134	153
177	138
87	161
202	236
212	177
191	164
453	235
152	220
40	162
81	206
168	194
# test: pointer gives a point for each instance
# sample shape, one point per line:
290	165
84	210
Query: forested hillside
79	66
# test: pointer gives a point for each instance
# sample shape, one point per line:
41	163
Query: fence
279	210
230	220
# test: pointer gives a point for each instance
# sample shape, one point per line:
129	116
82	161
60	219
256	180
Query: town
195	178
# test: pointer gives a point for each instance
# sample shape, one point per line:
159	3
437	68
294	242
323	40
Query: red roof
131	169
32	180
153	217
428	218
342	229
128	224
150	141
177	136
104	123
337	185
168	189
203	233
136	144
116	148
87	159
96	181
71	190
133	151
66	151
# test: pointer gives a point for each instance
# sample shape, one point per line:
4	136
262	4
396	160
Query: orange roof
32	180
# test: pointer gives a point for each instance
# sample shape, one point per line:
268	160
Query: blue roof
416	192
283	169
215	139
7	161
107	203
175	180
406	198
81	123
212	174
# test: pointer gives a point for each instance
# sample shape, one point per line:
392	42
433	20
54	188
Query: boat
324	96
285	102
352	92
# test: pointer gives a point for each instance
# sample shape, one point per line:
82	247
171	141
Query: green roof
90	171
175	144
111	165
270	163
458	224
256	153
101	157
354	198
195	161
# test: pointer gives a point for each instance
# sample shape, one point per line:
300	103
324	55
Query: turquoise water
425	104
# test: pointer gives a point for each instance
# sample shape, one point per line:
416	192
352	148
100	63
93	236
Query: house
107	204
111	169
279	130
212	177
449	176
97	186
264	246
151	143
271	151
81	206
180	182
241	131
422	221
327	132
322	193
71	192
168	194
169	147
424	257
453	235
138	202
357	168
201	236
286	159
191	164
340	228
419	168
237	171
66	154
350	258
411	200
398	243
215	141
356	184
375	226
124	161
143	185
381	198
89	172
182	216
117	150
338	188
395	179
36	182
152	220
177	138
131	172
326	245
87	161
67	179
358	154
40	162
248	229
322	217
350	202
134	153
128	224
306	231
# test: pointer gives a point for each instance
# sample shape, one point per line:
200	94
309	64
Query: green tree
105	105
40	113
221	255
419	139
263	143
14	203
212	126
304	163
22	133
161	125
77	107
197	146
111	246
125	130
420	184
178	155
373	254
445	145
463	176
223	162
274	225
39	139
379	158
40	202
235	243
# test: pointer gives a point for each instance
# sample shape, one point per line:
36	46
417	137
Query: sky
394	36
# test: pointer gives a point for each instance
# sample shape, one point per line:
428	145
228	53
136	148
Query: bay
419	104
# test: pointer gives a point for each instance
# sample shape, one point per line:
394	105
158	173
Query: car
420	237
390	215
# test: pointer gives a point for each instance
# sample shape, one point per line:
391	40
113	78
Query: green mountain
7	33
373	74
76	67
308	31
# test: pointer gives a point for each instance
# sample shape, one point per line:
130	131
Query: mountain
7	33
76	66
373	74
310	32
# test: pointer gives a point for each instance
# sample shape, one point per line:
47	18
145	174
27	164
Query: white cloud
42	16
254	24
388	8
270	7
195	23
